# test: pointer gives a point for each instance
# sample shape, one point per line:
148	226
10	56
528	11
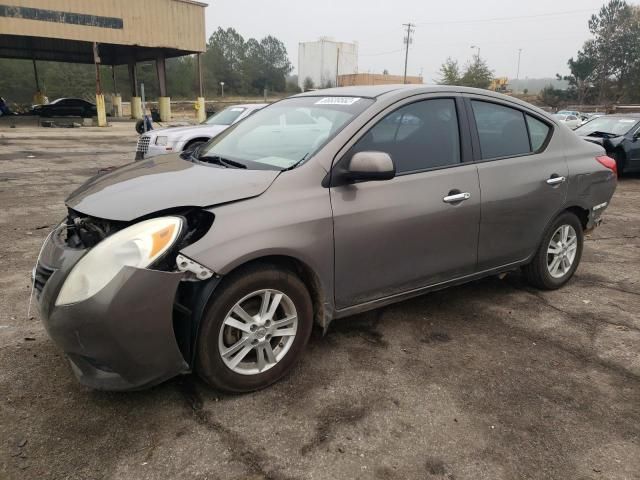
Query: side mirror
368	166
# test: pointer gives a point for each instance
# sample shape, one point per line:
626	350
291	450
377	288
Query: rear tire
558	255
264	333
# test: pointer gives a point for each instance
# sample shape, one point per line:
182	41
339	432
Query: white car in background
180	139
571	121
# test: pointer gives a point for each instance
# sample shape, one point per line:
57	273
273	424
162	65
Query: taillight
608	162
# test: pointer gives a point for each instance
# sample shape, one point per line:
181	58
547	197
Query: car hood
208	130
606	142
164	182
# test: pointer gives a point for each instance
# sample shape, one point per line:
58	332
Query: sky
549	32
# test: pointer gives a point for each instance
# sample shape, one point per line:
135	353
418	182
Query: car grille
143	144
40	278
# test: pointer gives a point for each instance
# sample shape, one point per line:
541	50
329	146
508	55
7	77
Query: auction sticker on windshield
338	101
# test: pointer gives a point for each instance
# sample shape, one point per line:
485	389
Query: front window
604	126
418	136
226	116
284	134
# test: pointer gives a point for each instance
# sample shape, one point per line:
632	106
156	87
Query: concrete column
136	108
164	102
133	79
38	98
201	114
116	105
164	105
102	113
161	71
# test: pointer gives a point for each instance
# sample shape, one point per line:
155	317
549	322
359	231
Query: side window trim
475	137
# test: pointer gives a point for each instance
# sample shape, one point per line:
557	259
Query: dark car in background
619	135
66	107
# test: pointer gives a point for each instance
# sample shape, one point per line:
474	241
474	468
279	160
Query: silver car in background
317	207
178	139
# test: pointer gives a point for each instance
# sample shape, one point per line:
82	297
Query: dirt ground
492	380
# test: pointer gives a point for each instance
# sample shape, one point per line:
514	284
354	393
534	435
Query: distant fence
629	108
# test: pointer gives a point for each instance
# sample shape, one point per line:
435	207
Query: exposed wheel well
303	271
582	214
194	140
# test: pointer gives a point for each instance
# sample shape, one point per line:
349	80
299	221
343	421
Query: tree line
247	67
476	73
606	69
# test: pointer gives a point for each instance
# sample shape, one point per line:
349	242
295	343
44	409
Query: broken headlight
136	246
162	141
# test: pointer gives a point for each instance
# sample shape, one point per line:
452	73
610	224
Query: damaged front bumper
122	338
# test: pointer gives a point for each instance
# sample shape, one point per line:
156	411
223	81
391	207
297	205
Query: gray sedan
319	206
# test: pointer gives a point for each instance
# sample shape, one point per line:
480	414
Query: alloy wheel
561	251
258	332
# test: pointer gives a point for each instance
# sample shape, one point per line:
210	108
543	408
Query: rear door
412	231
522	172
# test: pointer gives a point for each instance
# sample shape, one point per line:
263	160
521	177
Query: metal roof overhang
74	51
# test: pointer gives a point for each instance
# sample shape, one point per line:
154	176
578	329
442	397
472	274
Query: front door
421	227
523	179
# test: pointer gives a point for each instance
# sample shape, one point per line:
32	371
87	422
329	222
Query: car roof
375	91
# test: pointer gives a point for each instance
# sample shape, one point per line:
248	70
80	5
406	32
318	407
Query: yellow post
164	104
136	108
40	98
201	113
116	105
102	112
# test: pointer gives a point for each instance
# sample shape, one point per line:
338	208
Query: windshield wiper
224	162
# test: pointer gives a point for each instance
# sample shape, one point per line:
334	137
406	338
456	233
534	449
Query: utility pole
337	65
518	72
407	41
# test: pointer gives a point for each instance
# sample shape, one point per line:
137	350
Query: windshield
225	117
284	134
610	125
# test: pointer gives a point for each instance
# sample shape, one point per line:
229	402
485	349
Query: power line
380	53
501	19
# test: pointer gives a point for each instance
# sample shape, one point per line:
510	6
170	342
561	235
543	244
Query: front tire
559	254
190	147
255	329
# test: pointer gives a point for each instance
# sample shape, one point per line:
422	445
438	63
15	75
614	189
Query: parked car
619	135
571	121
569	112
66	107
317	207
179	139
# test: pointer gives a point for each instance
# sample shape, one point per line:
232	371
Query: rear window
507	132
538	132
226	116
502	130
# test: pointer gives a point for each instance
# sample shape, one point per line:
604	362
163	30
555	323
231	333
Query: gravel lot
492	380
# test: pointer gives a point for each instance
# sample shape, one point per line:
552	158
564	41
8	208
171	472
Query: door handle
458	197
555	180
